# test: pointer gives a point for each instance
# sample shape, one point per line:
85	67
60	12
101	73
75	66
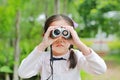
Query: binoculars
61	32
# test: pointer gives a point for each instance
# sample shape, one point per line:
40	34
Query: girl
61	62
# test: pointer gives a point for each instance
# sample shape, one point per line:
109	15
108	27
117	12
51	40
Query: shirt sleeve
31	65
91	63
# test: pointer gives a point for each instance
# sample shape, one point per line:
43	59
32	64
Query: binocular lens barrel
60	31
56	32
65	32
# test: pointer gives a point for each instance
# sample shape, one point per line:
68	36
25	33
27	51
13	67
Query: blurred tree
57	6
92	13
85	9
6	37
17	47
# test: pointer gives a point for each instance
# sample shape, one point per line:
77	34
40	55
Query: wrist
83	48
41	47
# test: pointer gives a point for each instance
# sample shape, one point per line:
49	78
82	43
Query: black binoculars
61	32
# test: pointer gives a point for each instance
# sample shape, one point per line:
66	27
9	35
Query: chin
59	50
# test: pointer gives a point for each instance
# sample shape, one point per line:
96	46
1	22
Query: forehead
59	23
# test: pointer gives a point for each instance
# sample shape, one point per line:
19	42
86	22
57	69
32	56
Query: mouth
59	45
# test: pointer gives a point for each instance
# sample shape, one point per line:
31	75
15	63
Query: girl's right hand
47	40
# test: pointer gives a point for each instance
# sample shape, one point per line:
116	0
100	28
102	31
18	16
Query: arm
91	63
77	42
30	65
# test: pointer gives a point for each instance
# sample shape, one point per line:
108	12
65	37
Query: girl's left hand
77	42
75	38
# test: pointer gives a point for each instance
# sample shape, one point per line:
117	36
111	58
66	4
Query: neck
59	53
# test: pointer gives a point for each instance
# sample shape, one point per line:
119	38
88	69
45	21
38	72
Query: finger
71	29
48	31
68	27
51	41
71	41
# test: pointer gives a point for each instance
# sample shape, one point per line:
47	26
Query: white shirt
40	62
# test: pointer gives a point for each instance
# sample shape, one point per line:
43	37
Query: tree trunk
65	7
17	52
7	76
57	6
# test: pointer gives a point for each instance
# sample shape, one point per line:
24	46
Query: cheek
67	45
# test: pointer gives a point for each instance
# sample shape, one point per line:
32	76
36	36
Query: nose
60	39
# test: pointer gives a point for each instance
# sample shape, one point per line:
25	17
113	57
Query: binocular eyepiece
61	32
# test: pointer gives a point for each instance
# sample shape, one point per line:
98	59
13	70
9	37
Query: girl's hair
72	57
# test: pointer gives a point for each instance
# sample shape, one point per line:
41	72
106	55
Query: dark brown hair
72	57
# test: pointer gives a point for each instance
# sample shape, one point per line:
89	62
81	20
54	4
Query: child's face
61	45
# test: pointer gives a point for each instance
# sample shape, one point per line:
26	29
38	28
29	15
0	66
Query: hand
47	40
77	42
75	38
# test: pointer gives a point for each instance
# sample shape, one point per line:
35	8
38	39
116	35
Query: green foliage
85	76
113	45
113	57
88	43
5	69
92	12
86	7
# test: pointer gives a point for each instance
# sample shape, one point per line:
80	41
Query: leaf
5	69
